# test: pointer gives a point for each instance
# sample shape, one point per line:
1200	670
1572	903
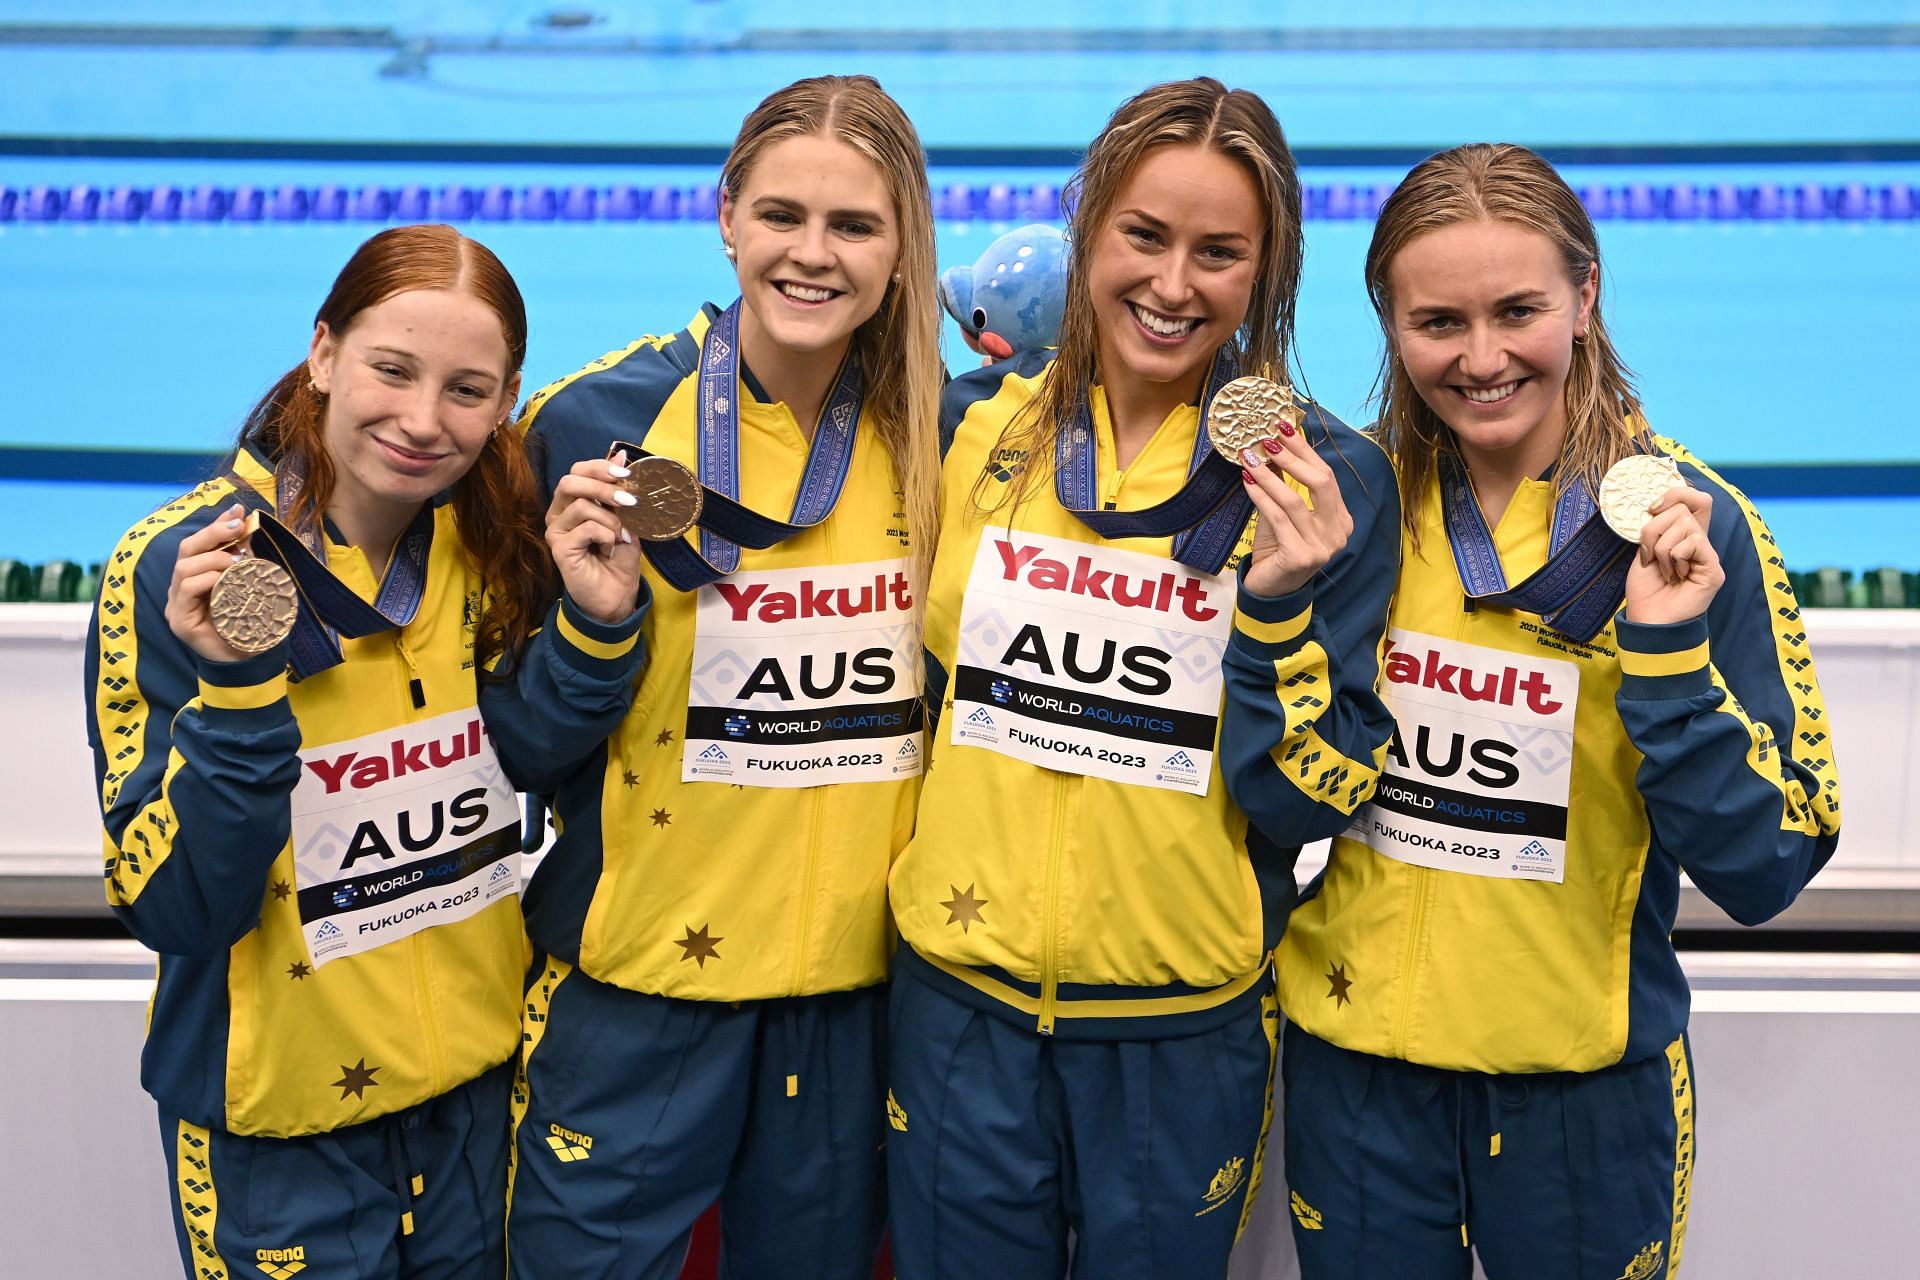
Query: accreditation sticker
1092	660
399	831
802	677
1480	763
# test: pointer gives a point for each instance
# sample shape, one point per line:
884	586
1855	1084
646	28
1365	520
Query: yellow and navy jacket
705	890
1701	746
198	763
1090	907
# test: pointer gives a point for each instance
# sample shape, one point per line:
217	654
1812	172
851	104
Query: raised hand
599	561
1676	572
202	557
1295	536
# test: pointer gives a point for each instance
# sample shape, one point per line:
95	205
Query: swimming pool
1768	341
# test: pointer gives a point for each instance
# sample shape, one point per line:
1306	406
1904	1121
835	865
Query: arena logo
810	600
281	1263
1157	592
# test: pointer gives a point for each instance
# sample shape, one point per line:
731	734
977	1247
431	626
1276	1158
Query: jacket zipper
429	1013
1050	913
803	944
1416	925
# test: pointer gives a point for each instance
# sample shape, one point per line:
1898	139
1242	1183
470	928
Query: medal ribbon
1575	592
725	524
332	609
1207	516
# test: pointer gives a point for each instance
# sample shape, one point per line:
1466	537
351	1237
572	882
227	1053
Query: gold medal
1631	486
670	499
1247	411
253	602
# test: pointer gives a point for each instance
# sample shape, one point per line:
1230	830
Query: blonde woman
1082	1022
705	1011
1486	1050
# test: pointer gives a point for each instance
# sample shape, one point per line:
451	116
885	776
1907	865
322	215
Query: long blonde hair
1505	183
899	345
1199	112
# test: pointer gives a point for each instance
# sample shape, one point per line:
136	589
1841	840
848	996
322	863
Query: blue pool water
1765	344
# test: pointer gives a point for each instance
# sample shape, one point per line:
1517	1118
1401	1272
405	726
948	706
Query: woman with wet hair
706	1008
1486	1048
1082	1023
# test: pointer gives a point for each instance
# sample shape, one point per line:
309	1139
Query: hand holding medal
225	603
590	532
1256	423
1676	572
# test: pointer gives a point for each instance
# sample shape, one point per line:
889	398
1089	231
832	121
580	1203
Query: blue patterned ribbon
1207	516
329	608
1580	587
725	524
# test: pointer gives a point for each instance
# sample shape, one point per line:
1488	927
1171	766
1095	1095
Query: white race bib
1092	660
399	831
1478	771
803	677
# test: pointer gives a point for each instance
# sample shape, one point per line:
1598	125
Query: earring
1579	339
726	247
896	277
314	387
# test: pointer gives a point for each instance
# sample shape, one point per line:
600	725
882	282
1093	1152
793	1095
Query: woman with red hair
297	673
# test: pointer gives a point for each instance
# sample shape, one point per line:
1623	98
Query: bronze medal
670	499
1247	411
253	604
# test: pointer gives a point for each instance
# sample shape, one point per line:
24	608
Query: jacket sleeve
1305	734
564	695
196	761
552	705
1738	775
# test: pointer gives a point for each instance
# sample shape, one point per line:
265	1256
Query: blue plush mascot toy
1011	298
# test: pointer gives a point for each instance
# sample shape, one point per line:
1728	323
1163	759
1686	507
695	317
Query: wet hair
496	504
1201	112
1498	182
899	345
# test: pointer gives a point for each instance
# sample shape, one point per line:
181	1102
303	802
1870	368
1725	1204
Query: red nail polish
1286	428
1271	446
1247	476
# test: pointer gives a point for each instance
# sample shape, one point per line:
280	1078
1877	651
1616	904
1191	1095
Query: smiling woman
289	670
1082	1026
717	892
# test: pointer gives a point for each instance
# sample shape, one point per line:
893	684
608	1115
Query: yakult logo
810	600
1424	667
1158	592
397	759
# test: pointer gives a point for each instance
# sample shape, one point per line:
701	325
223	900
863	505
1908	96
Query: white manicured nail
618	472
625	499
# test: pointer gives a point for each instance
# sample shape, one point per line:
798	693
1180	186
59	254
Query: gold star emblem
298	970
356	1080
629	777
963	908
1338	984
281	889
663	737
698	945
661	818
